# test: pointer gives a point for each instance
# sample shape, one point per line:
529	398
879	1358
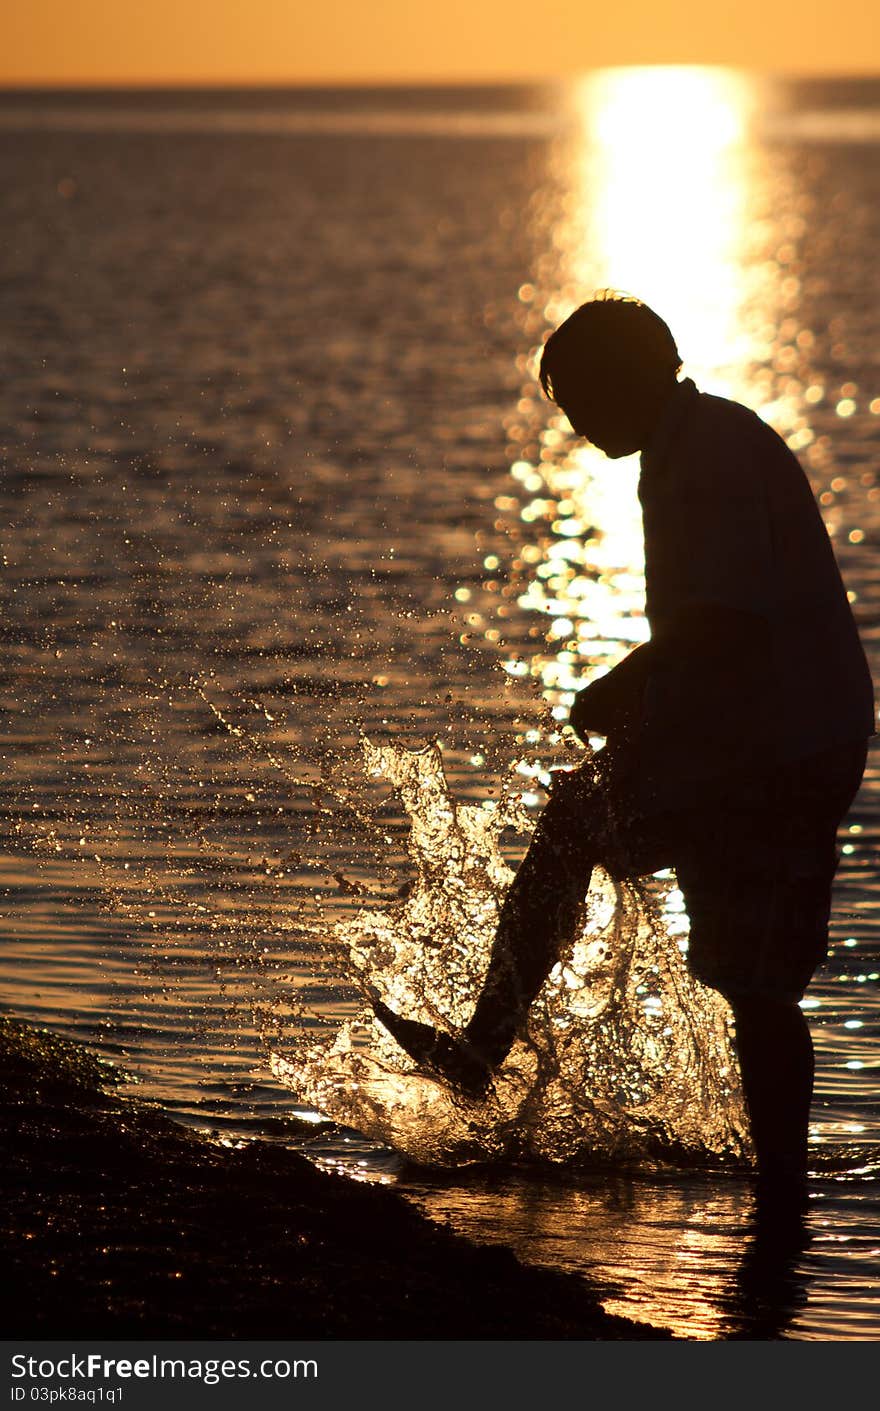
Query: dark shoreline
119	1223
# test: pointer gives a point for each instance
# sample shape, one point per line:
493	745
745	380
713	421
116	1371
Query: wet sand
119	1223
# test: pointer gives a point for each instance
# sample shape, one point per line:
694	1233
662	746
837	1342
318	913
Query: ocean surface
278	479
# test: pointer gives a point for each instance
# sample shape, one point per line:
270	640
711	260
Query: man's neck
669	413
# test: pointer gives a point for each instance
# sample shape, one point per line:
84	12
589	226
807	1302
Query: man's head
611	367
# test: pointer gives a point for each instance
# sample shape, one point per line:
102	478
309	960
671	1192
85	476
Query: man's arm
709	646
711	654
607	705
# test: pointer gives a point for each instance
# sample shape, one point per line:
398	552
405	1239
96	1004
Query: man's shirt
731	525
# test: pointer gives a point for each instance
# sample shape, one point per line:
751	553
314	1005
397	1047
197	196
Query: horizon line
244	85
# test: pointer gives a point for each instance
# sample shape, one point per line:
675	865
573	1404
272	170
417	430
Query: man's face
615	413
604	425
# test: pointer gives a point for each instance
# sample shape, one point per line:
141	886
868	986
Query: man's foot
436	1051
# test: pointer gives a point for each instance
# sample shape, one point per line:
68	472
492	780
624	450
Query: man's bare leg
776	1061
539	914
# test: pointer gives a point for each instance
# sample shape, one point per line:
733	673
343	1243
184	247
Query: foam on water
626	1057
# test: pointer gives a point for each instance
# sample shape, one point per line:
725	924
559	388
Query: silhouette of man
736	736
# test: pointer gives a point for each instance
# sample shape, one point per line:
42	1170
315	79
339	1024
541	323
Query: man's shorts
755	867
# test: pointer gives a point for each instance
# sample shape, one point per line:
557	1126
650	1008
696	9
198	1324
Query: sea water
287	520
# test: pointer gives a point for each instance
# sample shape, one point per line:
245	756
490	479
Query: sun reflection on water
663	197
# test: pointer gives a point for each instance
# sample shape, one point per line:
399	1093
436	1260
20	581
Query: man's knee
575	806
763	1012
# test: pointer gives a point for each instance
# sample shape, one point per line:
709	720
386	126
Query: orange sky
314	41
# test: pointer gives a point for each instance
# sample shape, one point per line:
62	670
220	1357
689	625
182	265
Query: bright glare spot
649	108
306	1115
561	627
516	668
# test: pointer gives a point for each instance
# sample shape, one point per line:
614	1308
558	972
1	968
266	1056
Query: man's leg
776	1061
808	800
539	915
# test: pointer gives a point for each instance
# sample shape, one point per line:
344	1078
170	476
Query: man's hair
611	330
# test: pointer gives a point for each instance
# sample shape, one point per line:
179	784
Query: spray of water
626	1057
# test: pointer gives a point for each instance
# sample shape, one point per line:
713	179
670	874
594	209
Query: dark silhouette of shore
118	1222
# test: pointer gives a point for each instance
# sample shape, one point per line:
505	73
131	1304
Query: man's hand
609	705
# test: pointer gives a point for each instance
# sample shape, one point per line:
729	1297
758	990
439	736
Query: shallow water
277	476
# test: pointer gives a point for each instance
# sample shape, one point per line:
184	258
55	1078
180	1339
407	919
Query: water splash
626	1057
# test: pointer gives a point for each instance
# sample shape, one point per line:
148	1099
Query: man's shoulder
711	411
731	435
